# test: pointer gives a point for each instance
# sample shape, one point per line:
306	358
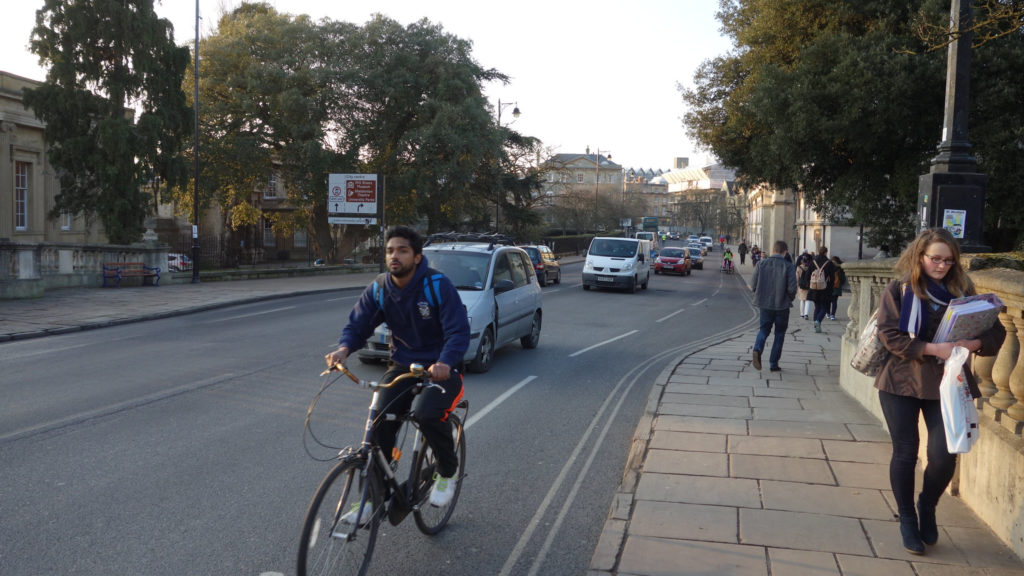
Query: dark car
674	260
545	263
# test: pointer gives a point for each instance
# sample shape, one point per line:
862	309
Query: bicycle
366	482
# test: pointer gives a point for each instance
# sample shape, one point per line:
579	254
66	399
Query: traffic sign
351	220
352	194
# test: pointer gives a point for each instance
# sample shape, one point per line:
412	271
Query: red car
674	260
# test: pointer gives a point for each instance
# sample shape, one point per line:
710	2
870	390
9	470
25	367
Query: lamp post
195	159
952	194
501	188
597	180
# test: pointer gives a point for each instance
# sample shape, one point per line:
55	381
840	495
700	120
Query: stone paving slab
803	531
887	543
822	430
832	500
867	452
780	468
646	556
694	441
741	391
801	563
681	462
684	521
865	566
734	412
856	474
696	424
699	490
704	399
770	446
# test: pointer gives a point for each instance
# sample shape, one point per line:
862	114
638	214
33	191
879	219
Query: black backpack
804	282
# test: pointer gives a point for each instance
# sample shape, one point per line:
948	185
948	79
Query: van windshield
613	247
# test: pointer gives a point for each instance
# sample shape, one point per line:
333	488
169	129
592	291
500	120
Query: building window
579	177
21	170
271	191
300	238
268	233
65	220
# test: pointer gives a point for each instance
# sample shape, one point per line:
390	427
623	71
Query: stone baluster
982	366
1004	365
853	312
1016	384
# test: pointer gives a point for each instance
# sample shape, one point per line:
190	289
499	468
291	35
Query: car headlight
588	265
658	261
627	266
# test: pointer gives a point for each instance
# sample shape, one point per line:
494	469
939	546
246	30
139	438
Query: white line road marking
663	318
599	344
497	401
248	315
342	298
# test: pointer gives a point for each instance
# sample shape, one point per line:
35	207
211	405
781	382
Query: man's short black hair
414	238
780	247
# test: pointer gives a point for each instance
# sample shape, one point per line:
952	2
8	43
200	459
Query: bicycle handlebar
416	371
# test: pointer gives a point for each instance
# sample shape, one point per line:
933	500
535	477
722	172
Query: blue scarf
911	306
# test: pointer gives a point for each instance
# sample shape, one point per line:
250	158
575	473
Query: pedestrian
837	287
927	276
774	286
802	285
755	255
429	326
743	251
820	296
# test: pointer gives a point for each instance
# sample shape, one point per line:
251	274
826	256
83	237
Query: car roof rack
490	238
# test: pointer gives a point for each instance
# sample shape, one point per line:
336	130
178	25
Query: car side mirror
503	286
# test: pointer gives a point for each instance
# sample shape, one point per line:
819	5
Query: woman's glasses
937	260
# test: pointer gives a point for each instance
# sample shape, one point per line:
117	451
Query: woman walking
821	295
928	275
837	287
802	278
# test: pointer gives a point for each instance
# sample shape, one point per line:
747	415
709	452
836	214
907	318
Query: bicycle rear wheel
429	518
328	545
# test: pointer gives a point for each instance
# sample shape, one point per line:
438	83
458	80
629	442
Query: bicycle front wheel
329	545
429	518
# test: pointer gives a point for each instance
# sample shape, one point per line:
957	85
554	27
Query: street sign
351	220
352	195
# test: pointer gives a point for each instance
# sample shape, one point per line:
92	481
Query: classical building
28	184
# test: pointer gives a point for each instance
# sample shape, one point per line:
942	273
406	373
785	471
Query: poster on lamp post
352	199
953	220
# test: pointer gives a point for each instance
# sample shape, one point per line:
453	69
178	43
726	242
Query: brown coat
907	371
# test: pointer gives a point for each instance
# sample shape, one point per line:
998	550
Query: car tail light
539	266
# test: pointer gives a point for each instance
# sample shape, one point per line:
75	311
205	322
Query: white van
617	263
653	239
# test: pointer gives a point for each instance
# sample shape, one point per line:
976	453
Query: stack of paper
968	317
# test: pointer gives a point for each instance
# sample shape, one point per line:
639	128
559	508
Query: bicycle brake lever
435	385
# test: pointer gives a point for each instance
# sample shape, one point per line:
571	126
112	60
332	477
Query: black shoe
911	535
929	529
757	359
775	369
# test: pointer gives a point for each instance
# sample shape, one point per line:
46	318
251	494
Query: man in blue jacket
774	286
428	326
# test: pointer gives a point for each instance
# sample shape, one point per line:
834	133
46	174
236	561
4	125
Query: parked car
696	258
673	260
545	263
178	262
498	285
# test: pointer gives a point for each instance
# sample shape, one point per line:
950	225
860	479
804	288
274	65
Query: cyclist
428	326
727	260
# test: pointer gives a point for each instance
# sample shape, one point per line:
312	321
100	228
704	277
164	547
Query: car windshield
672	253
467	270
613	248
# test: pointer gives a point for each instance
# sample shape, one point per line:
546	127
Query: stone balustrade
989	478
27	269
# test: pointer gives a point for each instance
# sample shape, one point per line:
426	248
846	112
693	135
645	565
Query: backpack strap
431	289
378	290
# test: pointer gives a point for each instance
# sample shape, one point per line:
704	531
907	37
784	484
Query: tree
108	62
841	101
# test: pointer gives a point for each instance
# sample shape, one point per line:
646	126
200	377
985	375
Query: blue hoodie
416	334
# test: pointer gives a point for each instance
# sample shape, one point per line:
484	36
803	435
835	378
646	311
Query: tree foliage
113	107
843	101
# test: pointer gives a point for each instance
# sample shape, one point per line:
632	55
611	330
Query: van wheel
644	285
531	340
632	285
484	354
586	286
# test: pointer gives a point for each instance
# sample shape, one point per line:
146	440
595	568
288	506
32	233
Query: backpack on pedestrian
804	278
817	281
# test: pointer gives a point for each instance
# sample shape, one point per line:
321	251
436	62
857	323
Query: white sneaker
442	492
353	513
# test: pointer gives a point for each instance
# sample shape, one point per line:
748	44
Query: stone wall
990	479
27	269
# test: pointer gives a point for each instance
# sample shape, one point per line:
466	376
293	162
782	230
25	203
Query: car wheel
558	277
656	271
586	286
484	353
543	279
531	340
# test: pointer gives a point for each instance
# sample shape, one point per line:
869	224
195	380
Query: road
175	446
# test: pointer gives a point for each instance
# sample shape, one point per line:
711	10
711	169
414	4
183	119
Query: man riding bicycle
428	326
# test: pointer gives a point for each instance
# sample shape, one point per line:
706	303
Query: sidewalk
72	309
738	472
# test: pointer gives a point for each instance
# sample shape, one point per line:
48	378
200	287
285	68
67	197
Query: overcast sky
582	73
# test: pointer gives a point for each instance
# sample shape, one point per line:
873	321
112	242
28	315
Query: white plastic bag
959	415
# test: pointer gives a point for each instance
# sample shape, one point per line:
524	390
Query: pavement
733	471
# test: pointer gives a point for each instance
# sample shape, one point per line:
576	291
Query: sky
595	74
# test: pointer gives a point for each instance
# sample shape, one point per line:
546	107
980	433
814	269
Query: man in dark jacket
428	326
743	251
774	286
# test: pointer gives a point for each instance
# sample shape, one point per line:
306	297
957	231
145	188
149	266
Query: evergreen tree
113	107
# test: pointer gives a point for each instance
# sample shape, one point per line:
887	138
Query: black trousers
431	409
901	415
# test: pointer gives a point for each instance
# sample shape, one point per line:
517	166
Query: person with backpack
803	277
821	277
428	326
837	287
